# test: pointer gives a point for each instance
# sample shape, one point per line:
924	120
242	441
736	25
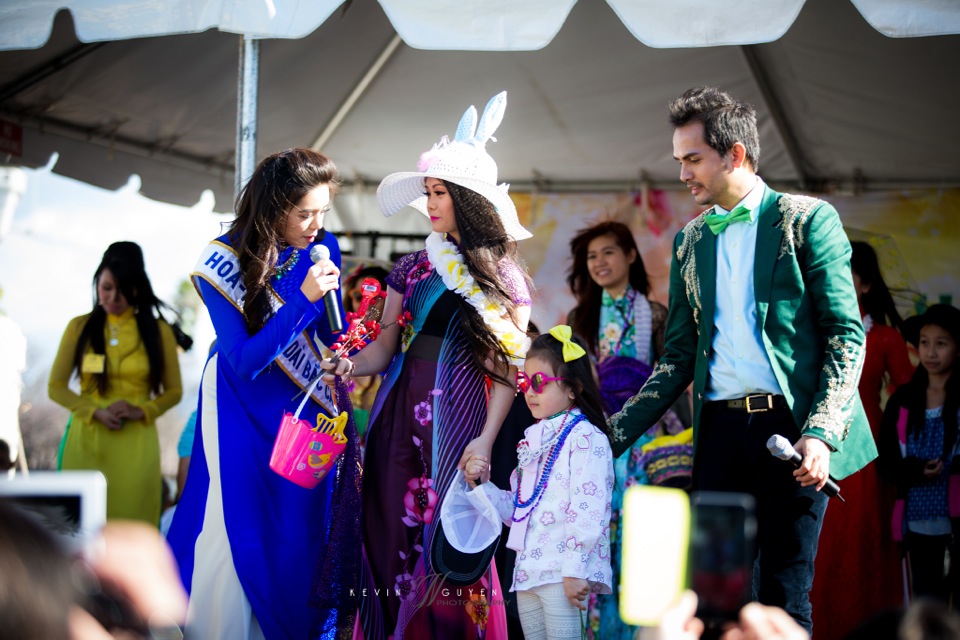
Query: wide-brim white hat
470	521
464	162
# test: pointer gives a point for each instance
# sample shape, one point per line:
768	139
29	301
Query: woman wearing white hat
462	306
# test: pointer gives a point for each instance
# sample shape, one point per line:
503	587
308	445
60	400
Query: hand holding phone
933	469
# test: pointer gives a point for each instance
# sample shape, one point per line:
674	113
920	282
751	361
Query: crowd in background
456	393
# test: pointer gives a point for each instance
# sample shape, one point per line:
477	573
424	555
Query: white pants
546	614
218	609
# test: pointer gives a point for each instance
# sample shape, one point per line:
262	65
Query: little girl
559	504
918	447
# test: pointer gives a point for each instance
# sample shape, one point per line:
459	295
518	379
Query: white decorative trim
646	391
842	373
686	257
448	262
795	210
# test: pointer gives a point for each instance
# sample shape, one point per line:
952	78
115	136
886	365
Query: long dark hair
124	260
484	243
256	234
916	389
577	375
916	402
585	317
877	302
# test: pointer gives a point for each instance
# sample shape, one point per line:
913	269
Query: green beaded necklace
288	264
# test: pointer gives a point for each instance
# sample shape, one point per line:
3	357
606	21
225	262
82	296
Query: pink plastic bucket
304	454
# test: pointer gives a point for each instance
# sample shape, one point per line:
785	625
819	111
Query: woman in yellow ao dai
126	359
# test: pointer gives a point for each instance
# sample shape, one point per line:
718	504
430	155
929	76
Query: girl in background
365	388
887	363
125	355
558	506
918	446
856	580
624	334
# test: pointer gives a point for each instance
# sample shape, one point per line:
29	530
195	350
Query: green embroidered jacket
809	319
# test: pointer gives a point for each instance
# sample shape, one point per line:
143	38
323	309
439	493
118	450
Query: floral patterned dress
431	404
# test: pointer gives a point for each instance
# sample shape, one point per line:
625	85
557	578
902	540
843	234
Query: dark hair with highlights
585	317
877	302
725	119
278	183
484	244
124	260
577	376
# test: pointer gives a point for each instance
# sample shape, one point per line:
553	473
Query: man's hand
815	468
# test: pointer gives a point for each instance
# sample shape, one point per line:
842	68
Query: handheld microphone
780	447
330	303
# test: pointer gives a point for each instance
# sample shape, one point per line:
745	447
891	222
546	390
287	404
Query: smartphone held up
703	541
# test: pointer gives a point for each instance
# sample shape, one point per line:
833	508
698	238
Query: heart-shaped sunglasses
535	382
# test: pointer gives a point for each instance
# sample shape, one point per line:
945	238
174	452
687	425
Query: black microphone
330	303
780	447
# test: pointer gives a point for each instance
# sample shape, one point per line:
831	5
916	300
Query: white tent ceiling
840	102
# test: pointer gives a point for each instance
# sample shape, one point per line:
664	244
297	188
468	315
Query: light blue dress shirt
739	364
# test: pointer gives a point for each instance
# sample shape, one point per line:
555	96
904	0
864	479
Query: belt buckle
751	409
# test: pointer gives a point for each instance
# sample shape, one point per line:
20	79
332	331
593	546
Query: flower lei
449	264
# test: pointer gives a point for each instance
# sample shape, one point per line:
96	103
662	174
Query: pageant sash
219	265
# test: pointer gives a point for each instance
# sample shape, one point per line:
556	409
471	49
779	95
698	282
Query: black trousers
731	455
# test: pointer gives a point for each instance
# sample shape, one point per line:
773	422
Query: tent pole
247	85
775	107
358	90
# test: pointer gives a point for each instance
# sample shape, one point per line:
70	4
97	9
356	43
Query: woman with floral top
624	332
461	308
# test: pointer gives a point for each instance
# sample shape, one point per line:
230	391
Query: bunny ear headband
465	162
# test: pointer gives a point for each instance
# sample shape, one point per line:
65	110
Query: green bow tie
718	223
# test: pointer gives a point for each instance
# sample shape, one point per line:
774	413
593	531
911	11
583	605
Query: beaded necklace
525	456
288	264
534	499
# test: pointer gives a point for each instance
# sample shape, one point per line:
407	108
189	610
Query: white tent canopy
841	101
493	25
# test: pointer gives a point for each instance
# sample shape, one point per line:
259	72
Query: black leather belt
758	402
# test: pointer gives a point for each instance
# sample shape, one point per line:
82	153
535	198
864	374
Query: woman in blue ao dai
252	546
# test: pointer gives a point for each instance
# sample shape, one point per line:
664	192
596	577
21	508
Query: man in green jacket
763	320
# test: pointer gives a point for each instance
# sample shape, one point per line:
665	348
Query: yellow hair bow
571	350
